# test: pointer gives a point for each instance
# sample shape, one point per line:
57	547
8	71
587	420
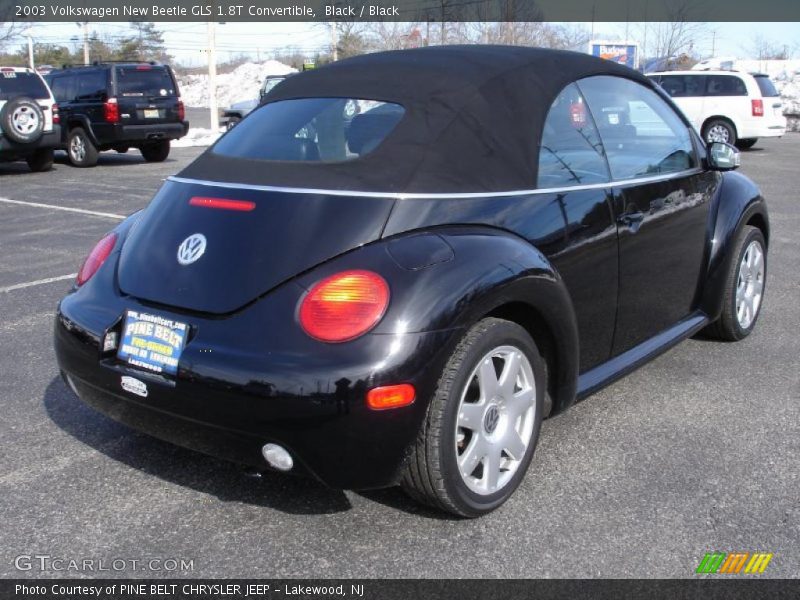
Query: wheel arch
738	203
84	123
725	118
530	293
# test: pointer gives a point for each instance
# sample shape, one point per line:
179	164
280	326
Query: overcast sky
187	41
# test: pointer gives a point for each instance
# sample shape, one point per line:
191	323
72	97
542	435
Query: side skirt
619	366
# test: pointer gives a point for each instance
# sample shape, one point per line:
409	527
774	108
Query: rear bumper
222	406
771	128
108	135
12	150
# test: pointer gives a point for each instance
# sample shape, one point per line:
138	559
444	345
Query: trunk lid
264	239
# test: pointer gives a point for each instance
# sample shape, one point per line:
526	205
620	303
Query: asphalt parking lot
698	451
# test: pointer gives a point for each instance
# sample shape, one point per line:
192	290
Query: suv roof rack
99	63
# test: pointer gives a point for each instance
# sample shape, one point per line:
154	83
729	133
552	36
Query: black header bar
401	10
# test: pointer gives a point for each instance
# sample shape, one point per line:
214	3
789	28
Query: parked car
727	106
405	298
237	111
29	118
118	106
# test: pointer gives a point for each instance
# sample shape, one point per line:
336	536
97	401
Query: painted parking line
81	211
20	286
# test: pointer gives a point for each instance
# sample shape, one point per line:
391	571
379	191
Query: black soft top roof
474	115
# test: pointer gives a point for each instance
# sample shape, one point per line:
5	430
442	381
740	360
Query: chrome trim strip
466	195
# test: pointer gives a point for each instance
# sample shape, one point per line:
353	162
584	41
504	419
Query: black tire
121	149
717	130
746	144
728	327
81	151
232	122
22	120
41	160
432	475
157	152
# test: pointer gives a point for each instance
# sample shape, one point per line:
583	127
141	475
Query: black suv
116	106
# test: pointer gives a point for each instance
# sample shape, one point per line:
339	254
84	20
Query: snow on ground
242	83
198	136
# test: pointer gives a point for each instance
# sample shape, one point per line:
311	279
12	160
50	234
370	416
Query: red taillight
96	258
181	111
344	306
111	111
391	396
240	205
56	115
758	108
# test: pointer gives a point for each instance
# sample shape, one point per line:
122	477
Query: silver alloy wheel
718	133
496	415
77	148
25	120
750	284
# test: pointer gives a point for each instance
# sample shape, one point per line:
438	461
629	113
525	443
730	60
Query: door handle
632	220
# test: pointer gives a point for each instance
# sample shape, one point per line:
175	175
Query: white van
726	106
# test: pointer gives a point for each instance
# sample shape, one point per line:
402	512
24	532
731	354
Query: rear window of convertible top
311	130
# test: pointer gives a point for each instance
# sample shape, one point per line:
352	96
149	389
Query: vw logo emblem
192	248
491	419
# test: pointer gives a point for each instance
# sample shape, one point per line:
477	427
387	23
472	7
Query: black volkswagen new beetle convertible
401	296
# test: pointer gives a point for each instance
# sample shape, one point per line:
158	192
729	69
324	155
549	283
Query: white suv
29	124
726	106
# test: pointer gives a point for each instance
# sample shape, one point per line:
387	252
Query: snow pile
241	84
197	136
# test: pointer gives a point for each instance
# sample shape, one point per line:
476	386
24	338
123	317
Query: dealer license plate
151	342
151	113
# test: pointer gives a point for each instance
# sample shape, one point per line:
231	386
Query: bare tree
8	28
763	49
678	36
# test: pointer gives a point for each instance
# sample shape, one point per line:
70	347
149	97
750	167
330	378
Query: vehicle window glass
63	88
683	86
766	86
641	133
144	80
271	83
570	152
312	130
90	84
725	85
14	84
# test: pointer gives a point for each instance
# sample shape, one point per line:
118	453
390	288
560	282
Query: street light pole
212	76
30	52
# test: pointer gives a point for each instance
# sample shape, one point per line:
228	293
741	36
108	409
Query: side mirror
723	157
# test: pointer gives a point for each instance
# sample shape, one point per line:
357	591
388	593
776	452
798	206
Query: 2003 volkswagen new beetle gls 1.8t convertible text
403	294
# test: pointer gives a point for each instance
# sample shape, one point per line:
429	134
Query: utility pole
85	42
30	52
334	42
212	77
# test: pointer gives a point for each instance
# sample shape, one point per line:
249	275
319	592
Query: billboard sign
624	53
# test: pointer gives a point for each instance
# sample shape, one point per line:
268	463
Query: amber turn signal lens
344	306
391	396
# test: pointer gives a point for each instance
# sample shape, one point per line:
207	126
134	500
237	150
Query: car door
573	223
687	92
90	95
661	204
